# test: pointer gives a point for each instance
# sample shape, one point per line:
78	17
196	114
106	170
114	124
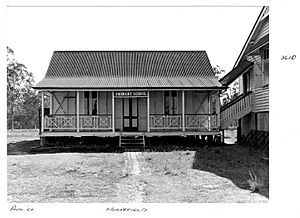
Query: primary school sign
130	94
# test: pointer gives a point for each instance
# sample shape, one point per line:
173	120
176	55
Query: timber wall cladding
264	29
196	102
142	114
262	99
156	102
104	102
64	103
118	114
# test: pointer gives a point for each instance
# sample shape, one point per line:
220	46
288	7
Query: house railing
236	108
204	122
67	121
60	122
97	122
161	121
192	122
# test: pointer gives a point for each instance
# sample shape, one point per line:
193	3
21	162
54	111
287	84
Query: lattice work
85	122
60	122
95	122
196	122
166	122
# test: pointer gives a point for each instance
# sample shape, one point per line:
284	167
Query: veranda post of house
114	93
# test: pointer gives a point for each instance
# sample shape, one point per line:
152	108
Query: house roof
241	65
235	72
261	42
129	69
252	33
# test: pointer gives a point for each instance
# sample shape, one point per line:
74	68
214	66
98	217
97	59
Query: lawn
22	135
203	175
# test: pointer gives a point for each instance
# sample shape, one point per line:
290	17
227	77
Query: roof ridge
187	51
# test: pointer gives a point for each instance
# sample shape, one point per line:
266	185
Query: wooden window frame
171	102
265	61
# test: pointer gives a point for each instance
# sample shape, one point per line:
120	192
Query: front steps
132	142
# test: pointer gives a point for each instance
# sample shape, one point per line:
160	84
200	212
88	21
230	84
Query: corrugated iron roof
129	69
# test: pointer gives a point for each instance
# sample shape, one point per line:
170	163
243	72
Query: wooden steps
132	142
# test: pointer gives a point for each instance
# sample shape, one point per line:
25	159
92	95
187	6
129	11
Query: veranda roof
236	72
129	69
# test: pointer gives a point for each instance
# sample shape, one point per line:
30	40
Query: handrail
235	101
79	114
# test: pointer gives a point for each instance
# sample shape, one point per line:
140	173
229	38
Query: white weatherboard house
250	111
116	93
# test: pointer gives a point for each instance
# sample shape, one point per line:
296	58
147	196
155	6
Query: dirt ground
204	175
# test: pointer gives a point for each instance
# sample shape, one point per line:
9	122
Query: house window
265	66
87	103
246	82
170	102
94	103
90	103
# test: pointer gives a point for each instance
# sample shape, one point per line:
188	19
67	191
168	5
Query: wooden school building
118	93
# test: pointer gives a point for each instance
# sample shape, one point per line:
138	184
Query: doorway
130	114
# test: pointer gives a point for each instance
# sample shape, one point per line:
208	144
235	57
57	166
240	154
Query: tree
22	100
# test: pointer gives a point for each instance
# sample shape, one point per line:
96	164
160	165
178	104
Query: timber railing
60	121
69	121
192	122
236	108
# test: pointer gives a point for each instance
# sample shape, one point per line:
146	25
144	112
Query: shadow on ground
21	148
33	147
234	163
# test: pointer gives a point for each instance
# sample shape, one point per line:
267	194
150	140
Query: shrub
255	182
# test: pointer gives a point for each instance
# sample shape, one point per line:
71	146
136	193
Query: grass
178	176
64	177
216	175
22	135
197	176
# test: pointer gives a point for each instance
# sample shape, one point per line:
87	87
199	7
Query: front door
130	114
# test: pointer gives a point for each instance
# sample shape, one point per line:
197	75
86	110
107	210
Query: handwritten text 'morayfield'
126	209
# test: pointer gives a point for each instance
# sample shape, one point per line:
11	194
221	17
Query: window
170	102
94	103
90	103
87	103
246	82
265	65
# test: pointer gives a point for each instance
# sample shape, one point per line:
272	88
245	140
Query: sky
35	32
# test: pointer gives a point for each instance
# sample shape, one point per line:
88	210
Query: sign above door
130	94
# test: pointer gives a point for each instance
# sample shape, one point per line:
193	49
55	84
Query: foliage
233	90
22	99
255	182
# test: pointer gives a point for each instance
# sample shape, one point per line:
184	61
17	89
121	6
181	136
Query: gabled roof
241	65
129	69
263	13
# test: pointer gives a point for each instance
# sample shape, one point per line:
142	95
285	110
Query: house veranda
113	93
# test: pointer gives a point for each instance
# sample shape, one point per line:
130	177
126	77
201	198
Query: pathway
131	187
